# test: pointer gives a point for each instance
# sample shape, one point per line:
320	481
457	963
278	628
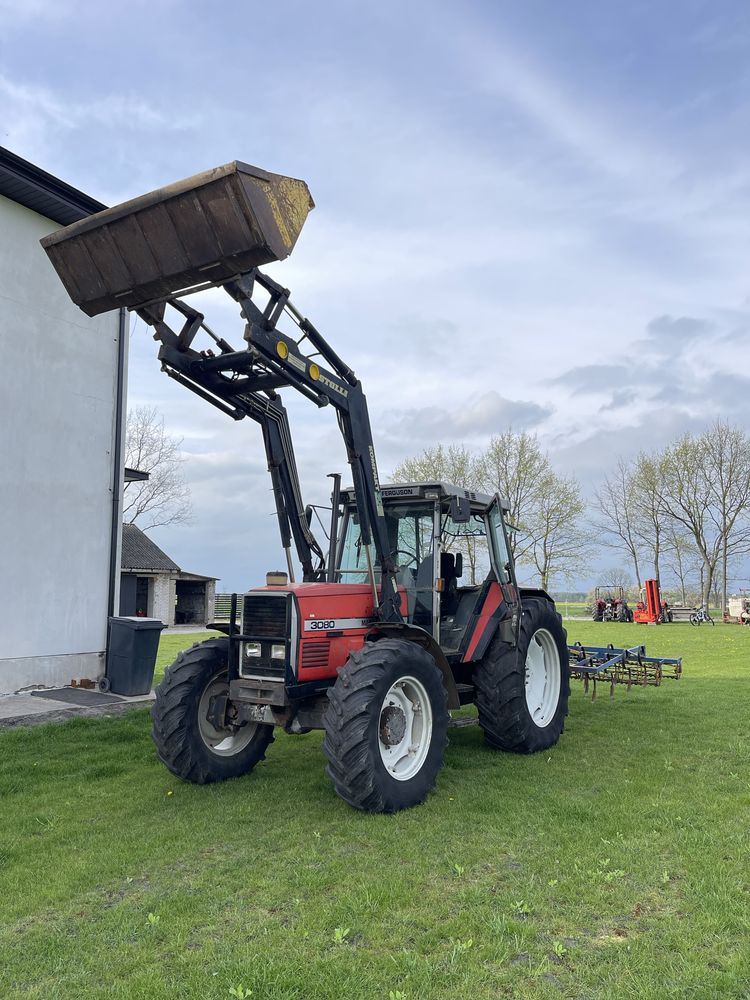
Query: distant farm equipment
609	605
738	610
652	609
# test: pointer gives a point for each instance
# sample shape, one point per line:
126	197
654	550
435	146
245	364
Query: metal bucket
206	228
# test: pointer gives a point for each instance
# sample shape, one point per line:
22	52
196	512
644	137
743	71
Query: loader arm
282	356
213	230
232	396
245	383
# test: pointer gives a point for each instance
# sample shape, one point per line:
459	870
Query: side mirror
308	515
460	510
459	566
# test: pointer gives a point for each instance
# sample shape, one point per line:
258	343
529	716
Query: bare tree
455	464
616	516
703	484
729	481
615	577
646	509
559	542
685	496
681	558
165	497
545	508
515	466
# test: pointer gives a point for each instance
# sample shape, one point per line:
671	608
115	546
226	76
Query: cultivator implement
609	665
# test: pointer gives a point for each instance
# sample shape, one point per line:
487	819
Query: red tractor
653	610
609	605
380	640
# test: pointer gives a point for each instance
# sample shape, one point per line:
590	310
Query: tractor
609	605
380	640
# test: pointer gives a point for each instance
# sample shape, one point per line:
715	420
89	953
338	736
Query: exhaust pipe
202	230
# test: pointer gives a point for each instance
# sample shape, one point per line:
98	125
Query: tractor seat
449	595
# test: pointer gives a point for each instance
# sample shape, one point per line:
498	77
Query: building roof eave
32	187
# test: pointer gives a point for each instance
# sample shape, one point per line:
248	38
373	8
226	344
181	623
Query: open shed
153	585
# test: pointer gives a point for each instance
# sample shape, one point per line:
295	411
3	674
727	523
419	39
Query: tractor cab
448	544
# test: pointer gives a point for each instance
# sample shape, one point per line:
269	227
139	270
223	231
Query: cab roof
419	491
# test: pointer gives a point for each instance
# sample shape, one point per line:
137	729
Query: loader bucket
206	228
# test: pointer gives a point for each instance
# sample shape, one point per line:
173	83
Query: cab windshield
410	535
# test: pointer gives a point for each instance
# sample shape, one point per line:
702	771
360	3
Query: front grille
315	654
262	666
264	616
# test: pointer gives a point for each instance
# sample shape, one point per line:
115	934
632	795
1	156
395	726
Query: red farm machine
610	605
652	609
381	639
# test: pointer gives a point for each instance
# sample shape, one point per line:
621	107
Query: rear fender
413	633
526	592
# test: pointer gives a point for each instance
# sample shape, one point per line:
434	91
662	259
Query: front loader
381	640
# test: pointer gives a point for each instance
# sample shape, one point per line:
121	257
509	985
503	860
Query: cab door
411	532
500	557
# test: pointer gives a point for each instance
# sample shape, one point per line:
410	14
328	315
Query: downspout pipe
118	465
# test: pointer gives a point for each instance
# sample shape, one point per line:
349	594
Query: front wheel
187	739
522	692
386	726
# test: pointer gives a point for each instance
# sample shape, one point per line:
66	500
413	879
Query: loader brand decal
337	624
403	491
333	385
296	362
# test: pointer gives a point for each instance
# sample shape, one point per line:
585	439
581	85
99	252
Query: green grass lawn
615	866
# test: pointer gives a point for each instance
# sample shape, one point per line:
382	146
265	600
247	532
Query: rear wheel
386	726
188	741
522	693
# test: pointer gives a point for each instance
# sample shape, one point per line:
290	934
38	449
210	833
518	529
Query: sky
531	215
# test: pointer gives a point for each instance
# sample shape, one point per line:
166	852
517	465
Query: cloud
109	110
720	393
489	413
503	67
594	378
680	329
589	456
18	12
620	398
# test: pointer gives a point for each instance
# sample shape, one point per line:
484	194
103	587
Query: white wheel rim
222	742
542	677
405	728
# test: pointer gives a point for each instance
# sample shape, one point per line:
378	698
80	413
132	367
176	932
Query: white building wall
164	598
57	417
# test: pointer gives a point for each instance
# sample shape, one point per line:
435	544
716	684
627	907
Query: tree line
679	513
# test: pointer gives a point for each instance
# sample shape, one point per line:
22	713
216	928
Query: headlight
278	651
252	649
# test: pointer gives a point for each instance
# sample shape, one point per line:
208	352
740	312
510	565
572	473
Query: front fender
413	633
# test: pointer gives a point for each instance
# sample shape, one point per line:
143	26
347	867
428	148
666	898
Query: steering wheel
410	556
